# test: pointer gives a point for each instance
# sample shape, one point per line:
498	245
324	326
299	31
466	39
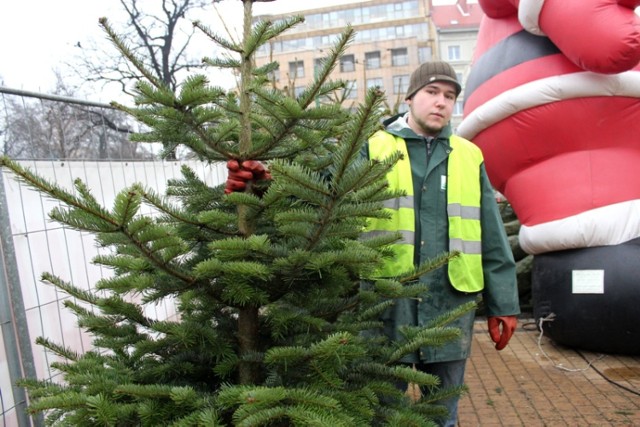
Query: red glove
241	174
501	338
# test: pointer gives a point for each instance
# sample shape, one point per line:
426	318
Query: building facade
456	27
392	37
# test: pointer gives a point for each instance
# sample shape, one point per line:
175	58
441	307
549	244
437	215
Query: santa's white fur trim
529	16
545	91
608	225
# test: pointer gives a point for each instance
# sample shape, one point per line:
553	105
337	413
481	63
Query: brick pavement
535	382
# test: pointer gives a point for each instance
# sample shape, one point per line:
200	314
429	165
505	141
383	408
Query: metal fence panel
38	245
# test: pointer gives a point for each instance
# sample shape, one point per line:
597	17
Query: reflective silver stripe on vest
465	246
399	202
464	212
408	237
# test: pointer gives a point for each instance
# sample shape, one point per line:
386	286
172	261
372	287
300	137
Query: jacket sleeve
500	293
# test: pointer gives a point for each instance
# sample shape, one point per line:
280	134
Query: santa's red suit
553	100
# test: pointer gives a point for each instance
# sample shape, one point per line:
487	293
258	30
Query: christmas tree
277	301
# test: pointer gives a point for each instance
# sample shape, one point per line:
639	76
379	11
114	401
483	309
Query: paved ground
535	382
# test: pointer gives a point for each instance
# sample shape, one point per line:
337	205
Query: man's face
430	109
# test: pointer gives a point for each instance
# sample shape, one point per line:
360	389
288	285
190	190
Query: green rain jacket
428	164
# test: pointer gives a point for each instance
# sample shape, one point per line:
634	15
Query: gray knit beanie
432	72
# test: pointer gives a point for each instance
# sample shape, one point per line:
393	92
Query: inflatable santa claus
553	100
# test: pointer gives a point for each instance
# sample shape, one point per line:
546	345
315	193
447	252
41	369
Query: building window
361	15
375	82
276	47
420	31
424	55
454	53
399	57
457	108
318	63
274	76
296	69
400	84
372	60
347	63
297	91
351	91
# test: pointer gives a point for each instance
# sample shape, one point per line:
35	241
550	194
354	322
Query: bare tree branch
54	128
160	38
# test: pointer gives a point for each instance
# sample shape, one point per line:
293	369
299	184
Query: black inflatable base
593	295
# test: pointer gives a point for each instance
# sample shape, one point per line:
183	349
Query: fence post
15	330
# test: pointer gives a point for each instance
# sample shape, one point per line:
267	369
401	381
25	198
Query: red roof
459	15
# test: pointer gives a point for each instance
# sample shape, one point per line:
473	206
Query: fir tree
275	326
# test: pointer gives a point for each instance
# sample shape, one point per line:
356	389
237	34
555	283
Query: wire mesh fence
37	126
31	244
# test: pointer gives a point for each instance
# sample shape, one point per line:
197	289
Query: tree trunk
248	321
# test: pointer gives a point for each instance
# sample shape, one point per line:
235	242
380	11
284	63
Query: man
454	208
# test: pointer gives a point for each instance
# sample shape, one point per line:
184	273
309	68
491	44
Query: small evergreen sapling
275	327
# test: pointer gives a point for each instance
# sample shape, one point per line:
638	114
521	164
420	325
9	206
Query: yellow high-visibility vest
463	210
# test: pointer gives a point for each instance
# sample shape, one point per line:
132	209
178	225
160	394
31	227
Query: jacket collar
397	125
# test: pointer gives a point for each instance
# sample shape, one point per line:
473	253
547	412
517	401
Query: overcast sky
39	36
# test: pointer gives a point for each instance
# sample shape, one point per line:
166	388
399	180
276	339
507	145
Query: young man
454	208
